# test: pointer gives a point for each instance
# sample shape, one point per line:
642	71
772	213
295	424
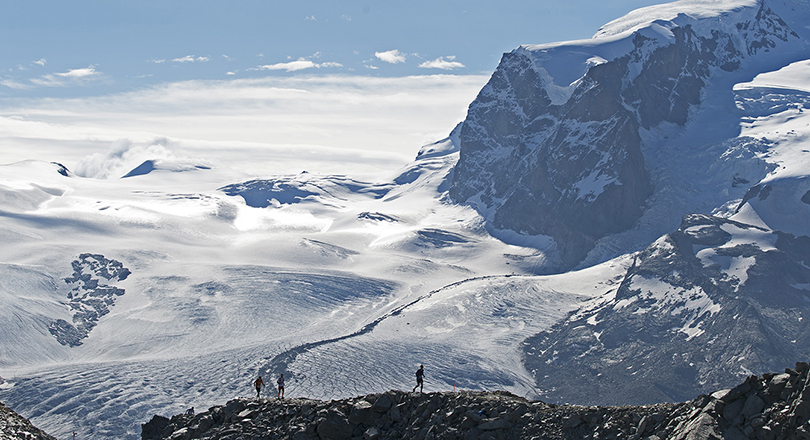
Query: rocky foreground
14	426
768	407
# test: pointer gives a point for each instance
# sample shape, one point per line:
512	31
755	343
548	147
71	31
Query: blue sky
69	48
260	86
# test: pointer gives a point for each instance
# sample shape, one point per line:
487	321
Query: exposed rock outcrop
772	406
699	310
15	427
90	298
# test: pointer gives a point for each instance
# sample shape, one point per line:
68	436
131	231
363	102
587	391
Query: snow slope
318	276
346	283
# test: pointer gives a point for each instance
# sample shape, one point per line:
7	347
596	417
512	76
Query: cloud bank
318	123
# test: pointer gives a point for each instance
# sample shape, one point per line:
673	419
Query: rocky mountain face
14	426
772	406
553	143
699	309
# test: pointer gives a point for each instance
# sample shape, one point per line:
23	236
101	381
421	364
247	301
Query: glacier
610	209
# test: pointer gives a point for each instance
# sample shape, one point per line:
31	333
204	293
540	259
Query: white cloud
40	62
391	56
71	77
231	73
190	59
310	18
442	63
292	66
156	61
346	17
299	64
79	73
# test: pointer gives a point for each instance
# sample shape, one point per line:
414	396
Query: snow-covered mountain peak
171	165
679	13
744	27
568	133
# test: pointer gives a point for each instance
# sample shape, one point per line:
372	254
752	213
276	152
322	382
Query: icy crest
679	13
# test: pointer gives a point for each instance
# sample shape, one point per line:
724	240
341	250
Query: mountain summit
577	140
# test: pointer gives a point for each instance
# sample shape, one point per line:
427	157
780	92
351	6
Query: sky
381	78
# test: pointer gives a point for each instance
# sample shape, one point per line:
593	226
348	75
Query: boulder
153	428
777	383
335	427
383	403
372	433
361	413
753	406
492	425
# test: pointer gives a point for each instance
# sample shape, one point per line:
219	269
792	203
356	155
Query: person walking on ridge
280	382
258	383
420	375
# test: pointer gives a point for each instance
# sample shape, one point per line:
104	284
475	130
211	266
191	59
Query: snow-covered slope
176	285
165	289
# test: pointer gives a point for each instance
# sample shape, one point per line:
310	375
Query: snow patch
692	304
594	184
765	240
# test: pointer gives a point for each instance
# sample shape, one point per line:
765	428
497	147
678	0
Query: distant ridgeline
89	299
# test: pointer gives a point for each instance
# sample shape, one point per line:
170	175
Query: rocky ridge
767	407
14	426
699	310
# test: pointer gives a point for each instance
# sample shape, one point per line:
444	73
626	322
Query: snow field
219	289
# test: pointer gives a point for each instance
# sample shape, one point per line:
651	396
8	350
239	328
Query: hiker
280	382
420	375
258	383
